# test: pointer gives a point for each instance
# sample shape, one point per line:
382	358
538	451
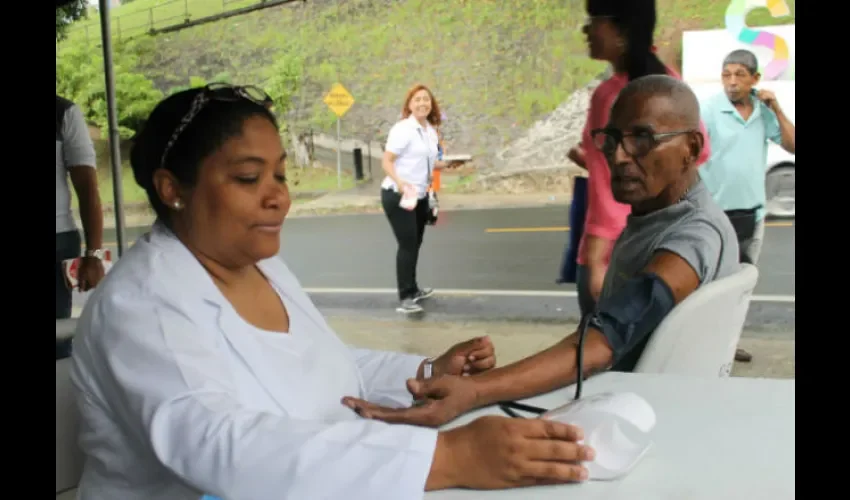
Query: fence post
186	9
150	17
358	164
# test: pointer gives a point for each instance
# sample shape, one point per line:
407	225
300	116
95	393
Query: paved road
486	250
358	251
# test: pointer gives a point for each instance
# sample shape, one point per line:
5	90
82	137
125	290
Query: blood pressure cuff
632	313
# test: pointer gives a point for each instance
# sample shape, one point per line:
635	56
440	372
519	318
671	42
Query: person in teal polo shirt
739	122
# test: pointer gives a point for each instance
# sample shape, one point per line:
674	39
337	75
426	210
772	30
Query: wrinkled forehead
642	111
737	69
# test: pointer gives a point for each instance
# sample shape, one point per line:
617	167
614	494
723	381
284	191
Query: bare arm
388	163
80	160
555	367
596	249
624	319
604	221
780	131
786	130
84	180
545	371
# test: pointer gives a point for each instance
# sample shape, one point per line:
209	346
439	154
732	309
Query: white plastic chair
69	458
700	335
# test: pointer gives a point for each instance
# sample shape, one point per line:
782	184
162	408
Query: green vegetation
137	17
67	15
377	50
300	180
495	65
79	77
675	16
316	180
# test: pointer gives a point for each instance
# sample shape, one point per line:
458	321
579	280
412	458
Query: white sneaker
409	306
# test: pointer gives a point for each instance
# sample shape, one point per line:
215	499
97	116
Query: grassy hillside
495	65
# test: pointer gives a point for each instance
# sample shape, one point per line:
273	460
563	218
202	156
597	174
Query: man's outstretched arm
619	325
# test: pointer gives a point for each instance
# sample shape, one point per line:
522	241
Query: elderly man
676	239
740	122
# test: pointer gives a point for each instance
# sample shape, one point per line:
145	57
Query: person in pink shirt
620	32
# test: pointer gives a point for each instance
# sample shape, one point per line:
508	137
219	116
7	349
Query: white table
715	439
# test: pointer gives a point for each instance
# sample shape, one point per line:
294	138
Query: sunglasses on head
638	143
215	92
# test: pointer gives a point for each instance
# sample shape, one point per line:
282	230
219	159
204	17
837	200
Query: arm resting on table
621	322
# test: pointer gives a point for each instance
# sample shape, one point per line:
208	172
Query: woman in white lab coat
202	367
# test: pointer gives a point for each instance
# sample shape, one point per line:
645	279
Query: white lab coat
180	397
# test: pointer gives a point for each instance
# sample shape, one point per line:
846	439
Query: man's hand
90	273
443	400
466	358
769	99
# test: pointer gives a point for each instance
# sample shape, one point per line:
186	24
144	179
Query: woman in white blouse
202	367
410	158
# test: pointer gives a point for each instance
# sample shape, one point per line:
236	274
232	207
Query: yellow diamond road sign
339	100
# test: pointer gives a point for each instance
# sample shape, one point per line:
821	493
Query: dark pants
586	304
408	228
68	246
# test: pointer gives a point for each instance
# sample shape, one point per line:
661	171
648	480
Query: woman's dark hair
216	123
635	19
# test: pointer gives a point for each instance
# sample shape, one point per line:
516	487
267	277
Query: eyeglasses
635	144
214	92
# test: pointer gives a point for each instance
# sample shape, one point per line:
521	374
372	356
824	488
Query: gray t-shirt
75	150
696	229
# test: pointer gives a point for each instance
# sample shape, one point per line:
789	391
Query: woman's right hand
496	452
440	400
405	188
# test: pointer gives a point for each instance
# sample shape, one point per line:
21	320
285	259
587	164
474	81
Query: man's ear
756	78
696	143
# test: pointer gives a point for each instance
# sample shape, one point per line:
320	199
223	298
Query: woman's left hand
466	358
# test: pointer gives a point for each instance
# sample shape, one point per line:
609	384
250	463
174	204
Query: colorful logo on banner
736	25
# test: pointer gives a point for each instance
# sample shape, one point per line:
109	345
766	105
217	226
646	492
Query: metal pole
338	156
112	117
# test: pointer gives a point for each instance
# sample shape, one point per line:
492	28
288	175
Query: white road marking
456	292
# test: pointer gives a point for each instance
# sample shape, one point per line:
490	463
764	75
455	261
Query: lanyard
428	156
